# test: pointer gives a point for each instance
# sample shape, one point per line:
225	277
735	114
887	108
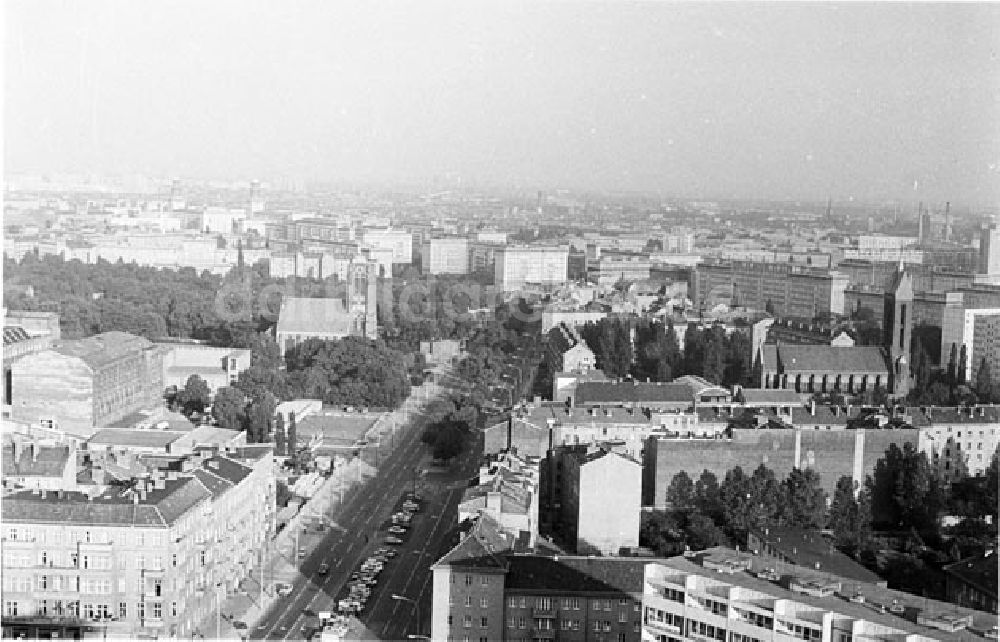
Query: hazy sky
775	100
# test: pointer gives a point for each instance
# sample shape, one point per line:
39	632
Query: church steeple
897	322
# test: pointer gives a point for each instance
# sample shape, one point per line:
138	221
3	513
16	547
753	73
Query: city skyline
740	101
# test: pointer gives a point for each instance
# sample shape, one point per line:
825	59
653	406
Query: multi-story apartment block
83	385
611	267
978	329
150	560
484	591
400	242
958	442
788	289
989	250
729	596
447	255
520	265
599	499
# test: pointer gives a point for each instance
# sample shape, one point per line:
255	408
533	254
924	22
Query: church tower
362	300
897	324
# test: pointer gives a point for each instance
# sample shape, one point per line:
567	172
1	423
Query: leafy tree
291	446
963	364
984	382
680	493
279	435
228	408
905	489
803	499
259	418
661	533
707	495
702	532
195	396
953	365
448	442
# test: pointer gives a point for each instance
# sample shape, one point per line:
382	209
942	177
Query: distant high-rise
176	202
989	249
256	200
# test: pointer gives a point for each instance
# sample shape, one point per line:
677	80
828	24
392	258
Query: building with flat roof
519	265
958	441
786	288
219	367
721	594
611	267
399	242
82	385
449	255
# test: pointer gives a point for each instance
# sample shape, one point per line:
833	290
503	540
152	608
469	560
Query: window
173	609
173	560
621	637
484	580
157	588
524	602
511	622
623	616
468	601
43	583
140	561
468	580
482	602
482	622
467	621
157	610
512	602
543	604
10	609
623	602
521	622
122	610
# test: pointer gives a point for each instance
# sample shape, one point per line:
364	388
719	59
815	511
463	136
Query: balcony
549	634
663	626
547	613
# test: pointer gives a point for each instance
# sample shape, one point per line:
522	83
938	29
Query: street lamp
416	610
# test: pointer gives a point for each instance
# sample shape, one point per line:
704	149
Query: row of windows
74	536
567	603
89	610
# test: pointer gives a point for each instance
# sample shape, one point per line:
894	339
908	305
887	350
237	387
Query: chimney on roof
34	451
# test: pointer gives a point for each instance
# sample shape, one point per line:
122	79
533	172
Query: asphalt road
364	517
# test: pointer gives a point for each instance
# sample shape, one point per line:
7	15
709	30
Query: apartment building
520	265
958	441
599	501
789	290
485	591
449	255
507	492
25	333
146	561
611	267
724	595
399	242
82	385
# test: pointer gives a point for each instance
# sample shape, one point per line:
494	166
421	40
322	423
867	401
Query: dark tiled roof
482	548
814	358
574	574
955	415
810	549
980	571
215	484
232	471
634	392
43	462
114	507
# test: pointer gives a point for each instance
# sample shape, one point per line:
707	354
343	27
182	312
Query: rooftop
314	316
35	461
820	358
567	575
114	507
102	349
136	438
810	549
